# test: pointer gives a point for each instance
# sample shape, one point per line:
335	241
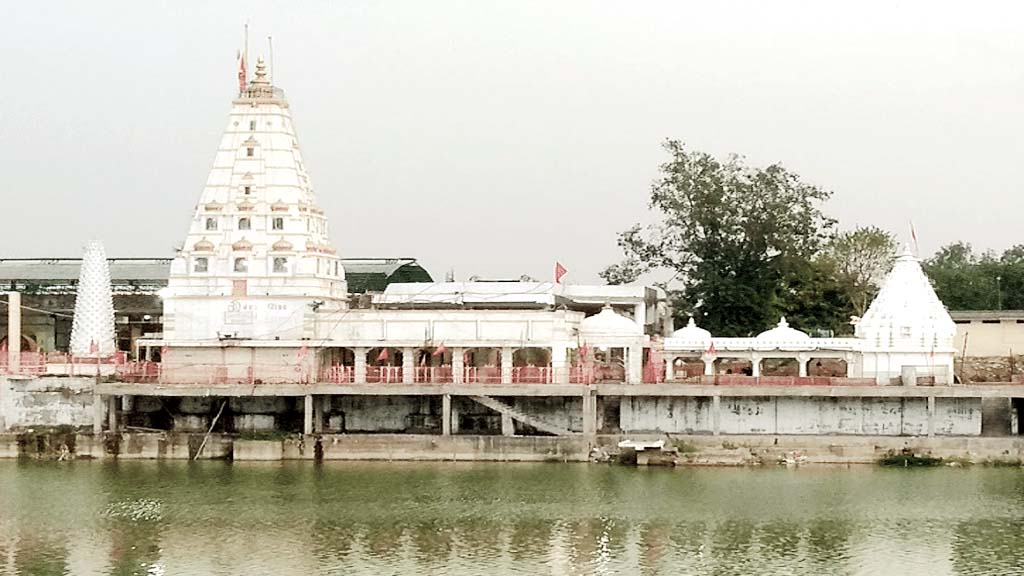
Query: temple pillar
318	416
709	366
307	414
635	364
506	365
716	414
14	332
931	416
508	427
802	360
755	364
458	365
112	413
589	412
359	377
670	369
446	414
408	365
559	366
97	414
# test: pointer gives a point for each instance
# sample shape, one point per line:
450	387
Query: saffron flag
711	349
440	350
559	272
242	76
383	356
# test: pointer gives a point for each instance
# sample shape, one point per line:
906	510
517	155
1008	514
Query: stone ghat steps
503	408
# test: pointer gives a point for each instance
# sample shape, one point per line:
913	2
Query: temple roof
610	323
907	308
691	332
783	333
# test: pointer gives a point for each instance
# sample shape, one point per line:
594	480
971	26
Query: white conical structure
257	261
907	327
92	330
907	314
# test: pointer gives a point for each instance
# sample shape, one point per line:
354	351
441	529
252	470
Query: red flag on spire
559	272
242	76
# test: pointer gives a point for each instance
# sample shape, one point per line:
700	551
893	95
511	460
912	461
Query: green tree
740	241
962	279
861	258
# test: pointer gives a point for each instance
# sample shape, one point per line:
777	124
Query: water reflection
223	519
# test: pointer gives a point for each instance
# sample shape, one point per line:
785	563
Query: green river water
441	518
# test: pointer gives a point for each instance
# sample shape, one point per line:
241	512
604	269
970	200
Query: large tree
861	258
741	243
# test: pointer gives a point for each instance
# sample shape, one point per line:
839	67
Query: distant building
989	333
48	287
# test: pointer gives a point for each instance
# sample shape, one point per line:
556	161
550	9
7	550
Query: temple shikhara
260	331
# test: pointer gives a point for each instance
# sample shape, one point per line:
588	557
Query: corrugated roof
66	269
363	274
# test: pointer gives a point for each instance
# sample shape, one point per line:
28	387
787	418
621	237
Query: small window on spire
244	224
248	190
201	265
280	265
241	265
252	125
277	223
211	223
250	151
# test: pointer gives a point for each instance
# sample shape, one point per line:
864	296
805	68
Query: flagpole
270	46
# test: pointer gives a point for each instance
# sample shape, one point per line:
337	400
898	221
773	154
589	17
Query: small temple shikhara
257	295
259	326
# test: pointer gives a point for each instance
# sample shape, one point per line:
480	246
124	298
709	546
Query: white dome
692	333
783	333
609	323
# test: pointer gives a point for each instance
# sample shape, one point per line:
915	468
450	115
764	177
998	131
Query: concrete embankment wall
45	401
796	415
761	449
172	446
694	449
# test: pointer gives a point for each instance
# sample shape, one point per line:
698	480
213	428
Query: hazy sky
496	137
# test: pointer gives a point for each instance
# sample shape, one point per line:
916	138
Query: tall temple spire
257	253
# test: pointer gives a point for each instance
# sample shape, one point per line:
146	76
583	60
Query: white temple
92	329
257	294
257	260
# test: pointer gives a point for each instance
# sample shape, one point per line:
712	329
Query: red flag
94	348
383	356
242	76
711	349
559	272
439	350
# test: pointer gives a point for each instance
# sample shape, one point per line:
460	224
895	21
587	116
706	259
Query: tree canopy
743	244
965	280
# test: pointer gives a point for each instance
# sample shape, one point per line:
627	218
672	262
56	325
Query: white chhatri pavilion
906	333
